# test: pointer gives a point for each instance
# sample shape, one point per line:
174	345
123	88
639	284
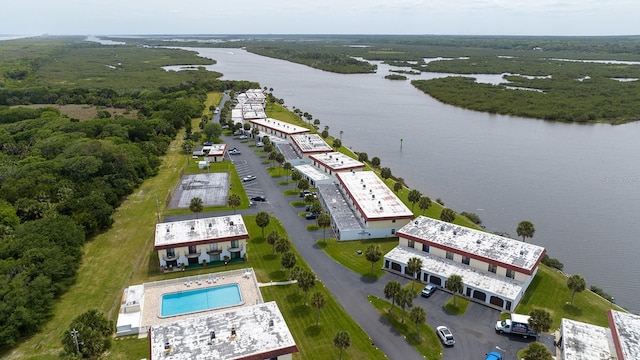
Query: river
578	184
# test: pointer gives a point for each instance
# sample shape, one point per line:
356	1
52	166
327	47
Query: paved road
473	331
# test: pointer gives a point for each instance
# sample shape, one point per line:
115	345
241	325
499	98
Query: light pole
74	335
611	300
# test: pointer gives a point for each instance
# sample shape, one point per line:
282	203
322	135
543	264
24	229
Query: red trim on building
473	256
615	336
201	242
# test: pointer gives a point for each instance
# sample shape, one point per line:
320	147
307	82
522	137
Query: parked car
243	137
304	193
259	198
311	216
234	152
194	156
259	144
445	335
237	133
248	178
494	355
428	290
207	143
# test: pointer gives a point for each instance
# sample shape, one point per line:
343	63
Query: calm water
578	184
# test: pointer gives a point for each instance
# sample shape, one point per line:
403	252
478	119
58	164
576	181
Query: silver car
445	335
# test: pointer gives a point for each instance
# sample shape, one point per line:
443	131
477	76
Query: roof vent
521	252
210	225
442	228
364	186
167	346
503	245
212	334
416	222
271	322
168	230
373	196
478	241
233	331
361	180
381	208
454	232
230	223
192	228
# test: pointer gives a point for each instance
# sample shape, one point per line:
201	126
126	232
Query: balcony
193	255
214	251
168	257
234	249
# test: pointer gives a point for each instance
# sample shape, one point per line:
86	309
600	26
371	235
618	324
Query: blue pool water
216	297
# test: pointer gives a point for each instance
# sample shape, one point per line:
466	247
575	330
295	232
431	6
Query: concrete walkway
277	283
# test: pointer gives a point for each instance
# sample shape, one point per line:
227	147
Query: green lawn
316	342
549	291
426	343
345	253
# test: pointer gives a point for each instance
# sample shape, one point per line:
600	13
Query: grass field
346	253
423	339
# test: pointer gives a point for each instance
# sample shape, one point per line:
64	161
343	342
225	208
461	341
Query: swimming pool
210	298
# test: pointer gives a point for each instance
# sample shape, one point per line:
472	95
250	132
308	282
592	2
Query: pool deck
151	303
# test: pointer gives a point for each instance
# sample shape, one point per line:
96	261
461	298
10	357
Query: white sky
448	17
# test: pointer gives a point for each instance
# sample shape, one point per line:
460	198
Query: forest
543	77
61	178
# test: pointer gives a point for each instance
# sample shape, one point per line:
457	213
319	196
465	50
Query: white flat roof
497	285
312	172
626	329
337	161
260	332
216	149
310	143
280	126
372	196
582	341
205	230
492	248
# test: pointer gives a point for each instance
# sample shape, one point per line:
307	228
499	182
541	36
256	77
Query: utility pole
74	335
401	143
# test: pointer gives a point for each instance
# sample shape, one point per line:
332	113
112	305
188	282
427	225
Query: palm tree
404	298
341	341
414	265
397	187
196	206
318	301
424	204
576	283
418	316
447	215
525	229
282	245
537	351
324	220
390	291
373	254
540	320
272	239
288	261
234	201
455	285
306	280
414	197
262	220
287	167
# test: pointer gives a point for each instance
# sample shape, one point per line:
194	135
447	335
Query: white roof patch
486	245
337	161
372	196
310	143
582	341
259	329
627	327
497	285
212	228
280	126
312	172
